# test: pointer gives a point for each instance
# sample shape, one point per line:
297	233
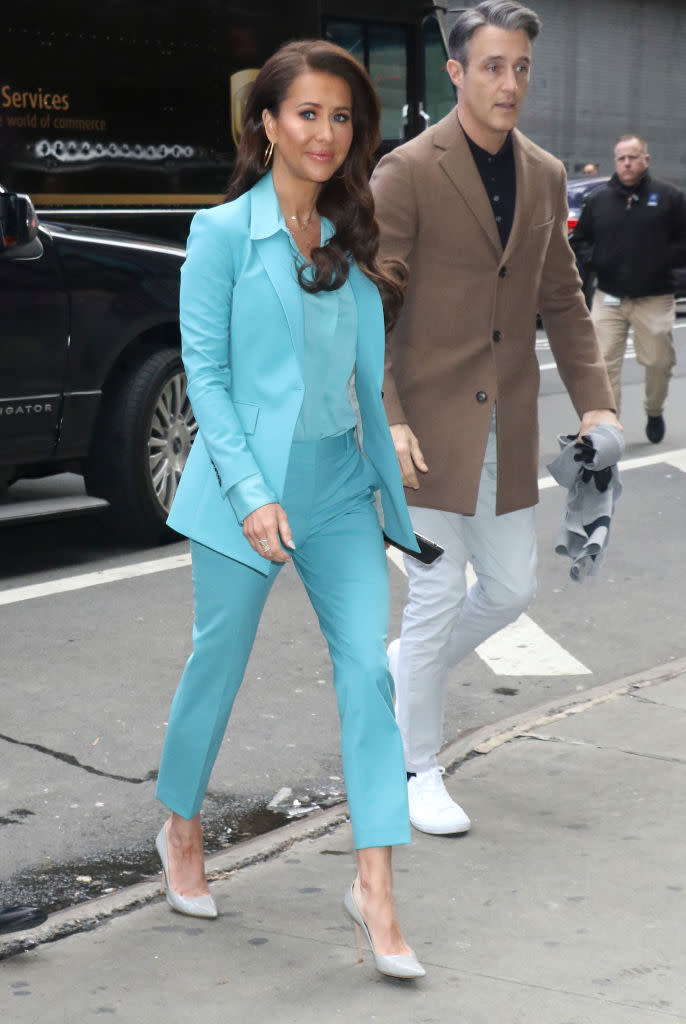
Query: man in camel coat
479	214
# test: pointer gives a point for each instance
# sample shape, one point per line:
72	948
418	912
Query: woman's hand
266	529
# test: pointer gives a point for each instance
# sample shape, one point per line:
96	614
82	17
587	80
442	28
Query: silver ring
264	544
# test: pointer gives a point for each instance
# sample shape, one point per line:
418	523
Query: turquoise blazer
242	328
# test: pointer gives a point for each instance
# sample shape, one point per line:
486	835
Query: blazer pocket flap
247	415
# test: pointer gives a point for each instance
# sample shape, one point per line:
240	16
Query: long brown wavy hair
346	198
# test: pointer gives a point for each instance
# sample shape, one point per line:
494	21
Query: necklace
303	224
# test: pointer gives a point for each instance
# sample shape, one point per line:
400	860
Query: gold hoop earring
268	154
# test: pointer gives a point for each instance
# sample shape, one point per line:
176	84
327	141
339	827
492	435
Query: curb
480	741
90	915
484	739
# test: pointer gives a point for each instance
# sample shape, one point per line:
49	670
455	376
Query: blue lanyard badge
653	198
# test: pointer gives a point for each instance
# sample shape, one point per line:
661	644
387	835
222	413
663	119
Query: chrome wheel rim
172	431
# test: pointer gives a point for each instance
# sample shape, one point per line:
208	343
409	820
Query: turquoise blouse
330	344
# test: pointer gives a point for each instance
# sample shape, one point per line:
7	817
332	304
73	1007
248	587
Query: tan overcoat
466	337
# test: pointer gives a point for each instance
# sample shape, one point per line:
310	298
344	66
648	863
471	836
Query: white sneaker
432	809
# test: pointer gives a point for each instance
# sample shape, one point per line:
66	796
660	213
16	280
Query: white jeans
443	621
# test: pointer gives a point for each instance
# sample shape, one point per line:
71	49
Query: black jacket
633	237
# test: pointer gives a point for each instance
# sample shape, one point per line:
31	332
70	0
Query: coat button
497	336
502	272
481	396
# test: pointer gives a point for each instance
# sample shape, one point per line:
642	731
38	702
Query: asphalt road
88	673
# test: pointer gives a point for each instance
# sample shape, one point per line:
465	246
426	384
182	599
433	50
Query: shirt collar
483	156
266	217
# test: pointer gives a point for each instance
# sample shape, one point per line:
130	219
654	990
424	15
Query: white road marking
676	458
543	345
522	649
629	354
93	579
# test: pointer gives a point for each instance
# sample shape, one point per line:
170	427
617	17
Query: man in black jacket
632	233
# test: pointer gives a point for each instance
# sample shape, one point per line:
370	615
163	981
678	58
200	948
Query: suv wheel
143	438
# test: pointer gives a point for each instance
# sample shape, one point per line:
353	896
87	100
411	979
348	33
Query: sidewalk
566	904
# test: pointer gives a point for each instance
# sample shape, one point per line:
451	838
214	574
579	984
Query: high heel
400	965
193	906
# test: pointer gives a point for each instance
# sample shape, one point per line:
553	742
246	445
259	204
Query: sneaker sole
436	831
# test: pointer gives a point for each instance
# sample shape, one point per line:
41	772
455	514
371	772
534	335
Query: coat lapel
458	164
526	195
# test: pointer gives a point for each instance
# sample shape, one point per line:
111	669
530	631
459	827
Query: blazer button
502	272
497	336
481	396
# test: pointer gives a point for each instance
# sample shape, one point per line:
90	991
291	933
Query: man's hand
409	454
594	417
265	529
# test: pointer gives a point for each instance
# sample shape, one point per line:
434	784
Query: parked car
91	379
577	190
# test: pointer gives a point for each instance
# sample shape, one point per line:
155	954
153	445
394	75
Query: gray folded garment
593	488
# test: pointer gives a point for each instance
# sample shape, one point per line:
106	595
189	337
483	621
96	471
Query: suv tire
145	431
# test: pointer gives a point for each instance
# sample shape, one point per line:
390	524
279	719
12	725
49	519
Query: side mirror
18	228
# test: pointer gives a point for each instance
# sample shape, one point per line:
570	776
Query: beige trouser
652	319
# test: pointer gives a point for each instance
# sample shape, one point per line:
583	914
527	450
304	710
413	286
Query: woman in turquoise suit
282	324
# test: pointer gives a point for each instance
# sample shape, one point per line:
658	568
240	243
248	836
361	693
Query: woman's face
313	130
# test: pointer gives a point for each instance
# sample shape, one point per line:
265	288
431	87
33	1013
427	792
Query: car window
578	190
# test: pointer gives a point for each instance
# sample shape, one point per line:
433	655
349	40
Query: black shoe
655	429
19	919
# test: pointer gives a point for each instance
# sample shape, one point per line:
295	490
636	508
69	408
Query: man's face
492	87
631	162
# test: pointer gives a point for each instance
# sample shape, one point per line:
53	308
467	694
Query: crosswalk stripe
676	458
528	645
521	649
524	649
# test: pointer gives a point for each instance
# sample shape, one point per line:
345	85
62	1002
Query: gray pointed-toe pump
400	965
193	906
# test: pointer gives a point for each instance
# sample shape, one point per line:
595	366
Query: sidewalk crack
550	738
74	762
655	703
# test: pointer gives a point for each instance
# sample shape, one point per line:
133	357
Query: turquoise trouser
341	560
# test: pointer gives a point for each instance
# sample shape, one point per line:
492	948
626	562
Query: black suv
91	379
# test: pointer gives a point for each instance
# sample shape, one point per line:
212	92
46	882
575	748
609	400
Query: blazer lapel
283	277
370	356
458	164
275	254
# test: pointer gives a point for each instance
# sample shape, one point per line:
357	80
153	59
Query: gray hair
507	14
